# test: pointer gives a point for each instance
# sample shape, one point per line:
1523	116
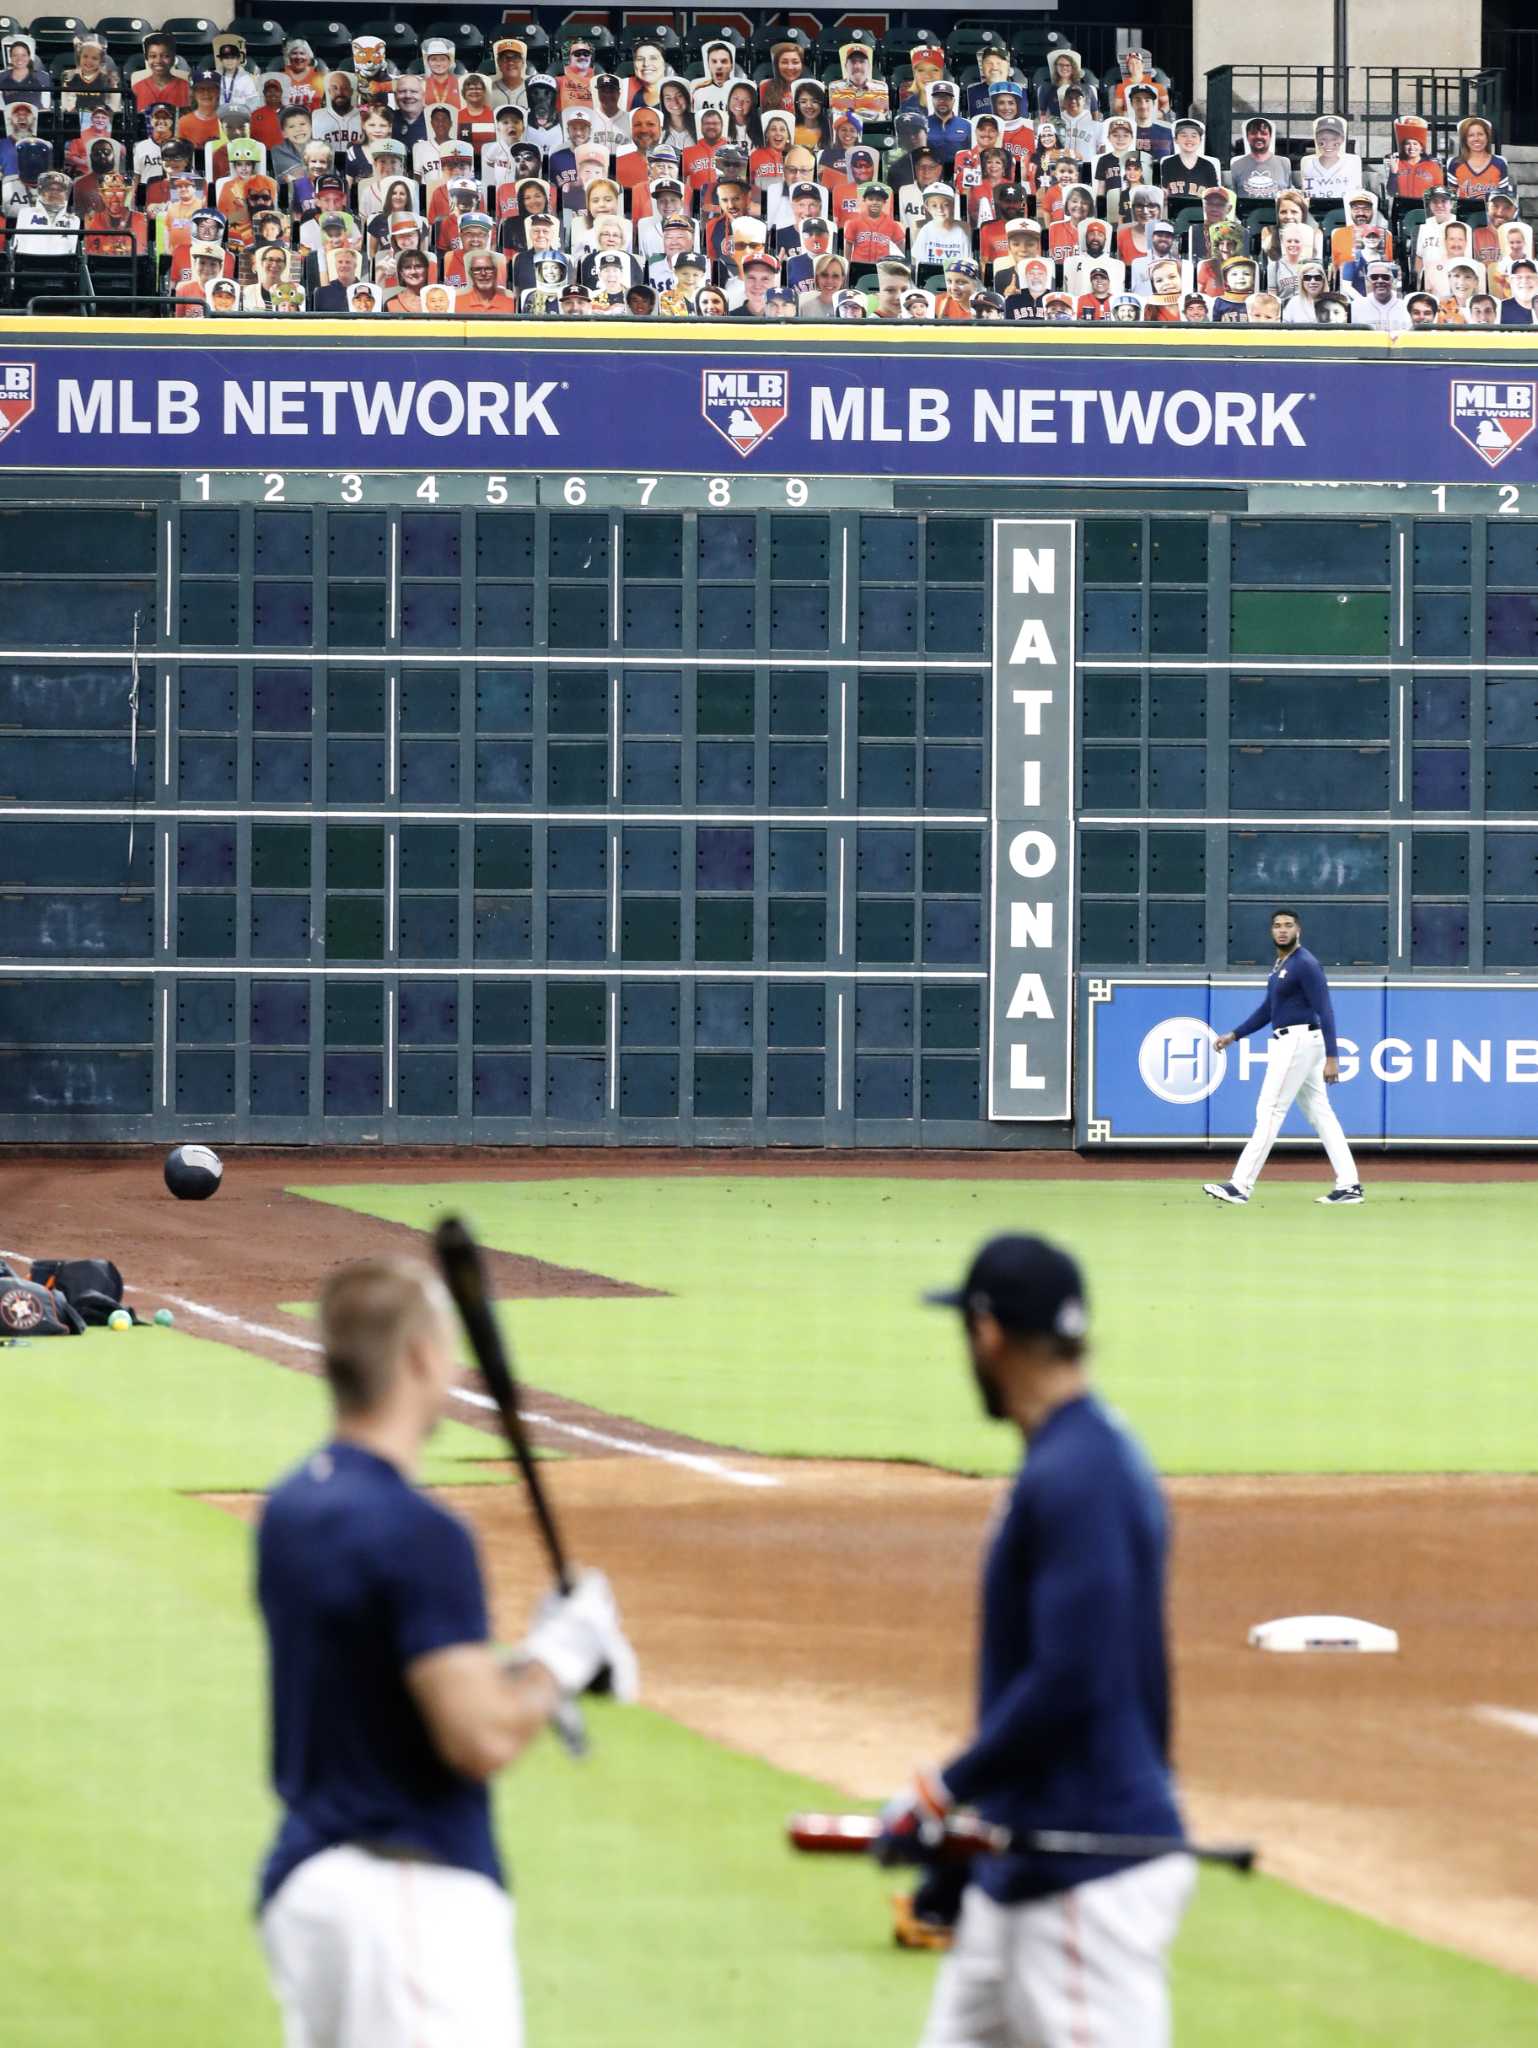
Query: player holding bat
1054	1950
383	1909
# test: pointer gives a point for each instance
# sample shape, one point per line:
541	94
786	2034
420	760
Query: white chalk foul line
1509	1717
690	1461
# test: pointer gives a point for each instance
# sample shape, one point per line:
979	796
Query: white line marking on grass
693	1461
690	1461
1508	1717
219	1315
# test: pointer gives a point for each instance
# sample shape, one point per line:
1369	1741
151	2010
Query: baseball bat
464	1274
855	1834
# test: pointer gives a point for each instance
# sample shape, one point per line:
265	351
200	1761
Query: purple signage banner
977	413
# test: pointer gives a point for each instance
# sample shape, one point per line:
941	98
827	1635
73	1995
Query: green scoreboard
727	805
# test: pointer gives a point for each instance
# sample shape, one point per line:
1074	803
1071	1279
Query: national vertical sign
1030	963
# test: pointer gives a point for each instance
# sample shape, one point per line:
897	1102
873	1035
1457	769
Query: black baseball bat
857	1833
464	1274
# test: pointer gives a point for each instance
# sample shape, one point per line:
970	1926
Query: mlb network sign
1494	419
979	406
1421	1063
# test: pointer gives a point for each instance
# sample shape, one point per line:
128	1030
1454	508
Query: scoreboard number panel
603	490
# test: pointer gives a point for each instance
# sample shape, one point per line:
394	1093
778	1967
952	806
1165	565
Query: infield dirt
826	1623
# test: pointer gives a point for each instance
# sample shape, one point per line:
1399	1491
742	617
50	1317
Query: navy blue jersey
358	1574
1296	993
1073	1687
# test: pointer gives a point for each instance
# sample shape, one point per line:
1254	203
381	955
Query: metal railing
1369	96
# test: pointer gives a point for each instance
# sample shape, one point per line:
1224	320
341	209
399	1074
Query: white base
1326	1632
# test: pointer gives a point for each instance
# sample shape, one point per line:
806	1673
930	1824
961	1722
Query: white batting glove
577	1635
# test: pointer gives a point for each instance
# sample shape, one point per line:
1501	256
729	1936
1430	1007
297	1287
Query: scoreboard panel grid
533	821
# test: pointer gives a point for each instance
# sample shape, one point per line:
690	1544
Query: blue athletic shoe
1337	1196
1225	1191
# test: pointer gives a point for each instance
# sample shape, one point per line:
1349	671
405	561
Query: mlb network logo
1494	418
745	406
17	384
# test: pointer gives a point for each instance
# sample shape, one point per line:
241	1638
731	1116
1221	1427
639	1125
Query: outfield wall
746	737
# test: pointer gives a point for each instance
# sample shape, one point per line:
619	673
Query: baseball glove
926	1916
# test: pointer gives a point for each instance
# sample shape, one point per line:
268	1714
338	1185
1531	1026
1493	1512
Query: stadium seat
54	35
469	43
36	277
401	41
264	40
194	34
1189	217
118	277
767	37
124	35
330	40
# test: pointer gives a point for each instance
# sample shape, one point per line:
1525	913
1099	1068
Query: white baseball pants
1294	1073
1085	1968
368	1952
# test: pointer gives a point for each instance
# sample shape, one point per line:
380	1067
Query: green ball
164	1317
120	1319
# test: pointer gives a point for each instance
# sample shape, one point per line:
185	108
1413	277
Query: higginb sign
976	407
1421	1063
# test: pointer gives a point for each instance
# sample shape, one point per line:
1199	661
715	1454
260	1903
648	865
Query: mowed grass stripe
1283	1337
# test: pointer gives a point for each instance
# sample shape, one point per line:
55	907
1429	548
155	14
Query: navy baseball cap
1028	1285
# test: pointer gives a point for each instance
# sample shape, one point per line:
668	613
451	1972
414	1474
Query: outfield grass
656	1903
1279	1338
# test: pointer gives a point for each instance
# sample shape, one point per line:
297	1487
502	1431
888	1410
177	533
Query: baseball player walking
1073	1699
383	1910
1302	1062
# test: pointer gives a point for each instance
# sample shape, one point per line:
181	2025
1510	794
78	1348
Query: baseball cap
1028	1285
206	75
806	192
962	267
1438	192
